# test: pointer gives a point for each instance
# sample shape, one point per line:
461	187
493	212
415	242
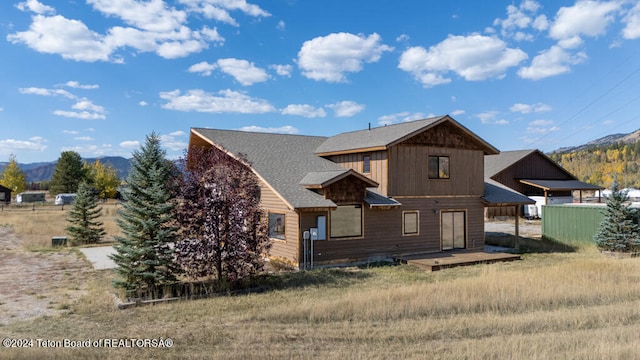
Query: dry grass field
561	305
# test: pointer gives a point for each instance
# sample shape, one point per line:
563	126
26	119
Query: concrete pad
98	257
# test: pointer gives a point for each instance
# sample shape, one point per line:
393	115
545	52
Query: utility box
58	241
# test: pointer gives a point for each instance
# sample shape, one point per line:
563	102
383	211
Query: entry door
453	230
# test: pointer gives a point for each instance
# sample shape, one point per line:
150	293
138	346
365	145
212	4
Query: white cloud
85	115
282	70
85	104
143	103
585	17
457	112
519	18
551	62
246	73
225	101
540	130
490	118
77	85
400	117
346	108
632	23
177	133
84	138
130	144
204	68
541	123
152	15
70	39
329	58
287	129
36	7
152	27
46	92
219	9
474	57
403	38
8	146
70	132
304	110
172	143
281	25
529	108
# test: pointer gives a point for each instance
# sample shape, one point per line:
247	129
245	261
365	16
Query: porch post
517	234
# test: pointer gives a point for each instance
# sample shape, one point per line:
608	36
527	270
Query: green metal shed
571	223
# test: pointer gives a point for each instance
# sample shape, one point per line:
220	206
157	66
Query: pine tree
619	230
68	174
144	253
12	177
83	217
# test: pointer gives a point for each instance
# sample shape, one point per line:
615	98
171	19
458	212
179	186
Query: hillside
36	172
598	161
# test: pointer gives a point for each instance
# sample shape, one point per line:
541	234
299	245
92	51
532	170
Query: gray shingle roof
281	160
385	136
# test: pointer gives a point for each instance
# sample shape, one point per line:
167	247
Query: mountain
36	172
603	141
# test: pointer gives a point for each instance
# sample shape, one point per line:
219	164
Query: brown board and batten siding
378	166
408	169
383	231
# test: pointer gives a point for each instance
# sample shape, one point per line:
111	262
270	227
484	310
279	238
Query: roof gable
496	164
280	160
381	138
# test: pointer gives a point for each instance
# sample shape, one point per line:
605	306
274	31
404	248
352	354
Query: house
5	195
535	175
409	188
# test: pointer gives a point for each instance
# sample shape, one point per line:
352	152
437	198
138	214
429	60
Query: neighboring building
65	199
409	188
535	175
5	195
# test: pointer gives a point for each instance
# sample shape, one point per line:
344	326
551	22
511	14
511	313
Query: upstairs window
438	167
366	164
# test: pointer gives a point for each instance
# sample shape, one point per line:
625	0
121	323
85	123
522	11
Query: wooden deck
443	260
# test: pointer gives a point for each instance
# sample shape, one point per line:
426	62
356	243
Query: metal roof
560	185
496	194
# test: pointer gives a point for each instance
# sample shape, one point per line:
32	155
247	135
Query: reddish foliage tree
222	229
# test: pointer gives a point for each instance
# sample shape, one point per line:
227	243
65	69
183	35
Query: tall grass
36	225
570	306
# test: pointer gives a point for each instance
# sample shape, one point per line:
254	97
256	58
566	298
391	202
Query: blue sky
96	76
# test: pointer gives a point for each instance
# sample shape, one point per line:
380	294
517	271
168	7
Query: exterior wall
533	166
408	172
379	166
287	248
383	236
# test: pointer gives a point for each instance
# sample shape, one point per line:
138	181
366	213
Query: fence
46	206
571	223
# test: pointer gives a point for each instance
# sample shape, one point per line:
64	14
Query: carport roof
560	185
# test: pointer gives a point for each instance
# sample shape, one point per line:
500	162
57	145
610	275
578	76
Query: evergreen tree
619	229
84	226
12	177
68	174
144	252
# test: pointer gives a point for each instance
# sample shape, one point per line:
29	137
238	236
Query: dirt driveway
33	284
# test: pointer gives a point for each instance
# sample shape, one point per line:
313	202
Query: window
276	226
366	164
346	221
410	222
438	167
